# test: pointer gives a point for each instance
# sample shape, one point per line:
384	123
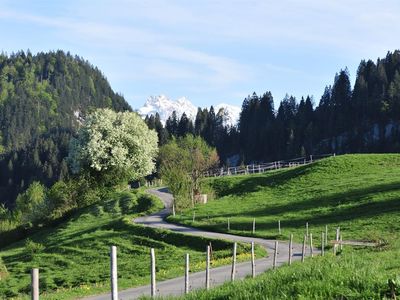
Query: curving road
218	275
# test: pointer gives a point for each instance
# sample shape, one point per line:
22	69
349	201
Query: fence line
264	167
153	290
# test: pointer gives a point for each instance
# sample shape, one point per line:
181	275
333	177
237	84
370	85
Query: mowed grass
74	258
359	193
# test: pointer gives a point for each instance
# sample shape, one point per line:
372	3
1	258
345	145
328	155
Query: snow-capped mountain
165	106
231	113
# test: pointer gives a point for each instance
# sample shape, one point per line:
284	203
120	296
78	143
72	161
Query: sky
209	51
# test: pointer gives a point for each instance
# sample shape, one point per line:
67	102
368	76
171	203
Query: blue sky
209	51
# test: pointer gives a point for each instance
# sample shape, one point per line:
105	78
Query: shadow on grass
341	214
352	196
242	186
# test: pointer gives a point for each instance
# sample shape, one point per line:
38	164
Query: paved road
217	275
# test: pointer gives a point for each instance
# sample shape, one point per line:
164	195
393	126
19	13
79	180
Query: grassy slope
359	193
75	258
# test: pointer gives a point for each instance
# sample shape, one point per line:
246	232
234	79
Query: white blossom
110	141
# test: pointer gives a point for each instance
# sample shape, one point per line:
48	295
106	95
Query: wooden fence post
229	225
114	276
303	252
254	225
311	246
279	227
322	244
253	262
233	272
173	209
341	245
337	239
187	273
35	284
153	272
290	249
326	235
275	254
307	229
208	268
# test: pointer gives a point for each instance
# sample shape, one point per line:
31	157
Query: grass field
74	257
359	193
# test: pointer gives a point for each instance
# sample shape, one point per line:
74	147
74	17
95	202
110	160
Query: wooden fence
264	167
307	243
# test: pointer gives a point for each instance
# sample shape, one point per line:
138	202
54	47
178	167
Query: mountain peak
164	106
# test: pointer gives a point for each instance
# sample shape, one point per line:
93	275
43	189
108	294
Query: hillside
359	193
43	98
74	257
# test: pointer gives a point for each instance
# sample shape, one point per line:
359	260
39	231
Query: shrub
61	199
96	210
127	201
33	248
145	202
31	204
112	206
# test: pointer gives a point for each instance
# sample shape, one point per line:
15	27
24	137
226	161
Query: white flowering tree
114	146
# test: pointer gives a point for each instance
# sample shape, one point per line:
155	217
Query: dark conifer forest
346	119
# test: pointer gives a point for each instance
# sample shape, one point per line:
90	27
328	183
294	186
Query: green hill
73	258
359	193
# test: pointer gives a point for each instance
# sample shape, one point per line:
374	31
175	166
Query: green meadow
359	193
73	258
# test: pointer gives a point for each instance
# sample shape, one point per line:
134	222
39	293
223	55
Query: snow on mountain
165	106
231	113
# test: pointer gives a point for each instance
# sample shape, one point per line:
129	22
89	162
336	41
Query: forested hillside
363	118
43	97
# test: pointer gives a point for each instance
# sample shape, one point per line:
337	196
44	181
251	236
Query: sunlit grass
74	260
359	193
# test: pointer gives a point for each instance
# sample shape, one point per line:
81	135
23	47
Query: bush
61	199
33	248
112	206
97	210
127	201
31	204
145	202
